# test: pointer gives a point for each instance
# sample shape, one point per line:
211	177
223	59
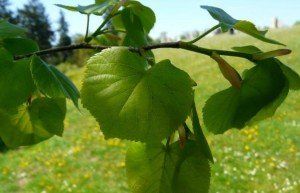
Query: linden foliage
134	97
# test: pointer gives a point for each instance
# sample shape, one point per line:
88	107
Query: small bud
228	71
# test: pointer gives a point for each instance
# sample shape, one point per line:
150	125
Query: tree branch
61	49
176	45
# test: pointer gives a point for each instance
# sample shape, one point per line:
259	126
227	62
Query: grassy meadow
263	158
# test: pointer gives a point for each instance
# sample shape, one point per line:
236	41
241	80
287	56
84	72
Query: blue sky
179	16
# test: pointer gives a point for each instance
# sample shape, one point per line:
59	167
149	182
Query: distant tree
64	38
297	23
34	18
5	13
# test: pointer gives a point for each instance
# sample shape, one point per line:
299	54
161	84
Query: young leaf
159	169
8	30
250	29
51	82
200	138
271	54
261	86
16	83
135	35
96	9
20	46
27	125
227	22
145	14
132	101
228	71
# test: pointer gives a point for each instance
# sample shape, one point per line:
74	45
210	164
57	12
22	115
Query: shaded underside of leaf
291	75
16	83
262	86
27	125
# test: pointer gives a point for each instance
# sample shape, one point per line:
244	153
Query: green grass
261	158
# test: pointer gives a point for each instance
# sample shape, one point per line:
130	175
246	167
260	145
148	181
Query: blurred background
262	158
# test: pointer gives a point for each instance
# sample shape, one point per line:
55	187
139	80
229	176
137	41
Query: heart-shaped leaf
26	125
160	169
132	101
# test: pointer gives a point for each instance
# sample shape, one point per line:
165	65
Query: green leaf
51	82
16	84
27	125
135	36
250	29
144	13
20	46
262	85
44	78
70	89
96	9
220	109
8	30
132	101
227	22
160	169
200	138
